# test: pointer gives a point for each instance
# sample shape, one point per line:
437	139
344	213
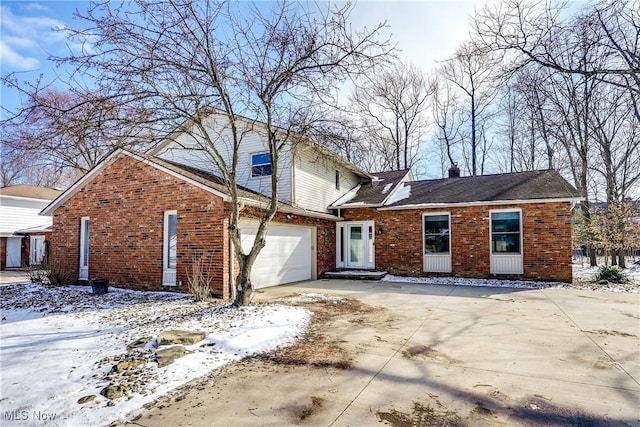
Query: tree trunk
244	288
621	261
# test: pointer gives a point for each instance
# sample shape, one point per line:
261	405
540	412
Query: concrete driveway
448	355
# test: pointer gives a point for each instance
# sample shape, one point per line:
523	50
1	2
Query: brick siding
546	240
126	202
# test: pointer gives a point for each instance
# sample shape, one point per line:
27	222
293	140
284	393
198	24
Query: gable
105	163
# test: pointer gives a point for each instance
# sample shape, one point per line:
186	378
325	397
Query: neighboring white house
22	229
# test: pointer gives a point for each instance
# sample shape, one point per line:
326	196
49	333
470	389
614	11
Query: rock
180	337
140	342
166	356
127	365
114	391
603	282
86	399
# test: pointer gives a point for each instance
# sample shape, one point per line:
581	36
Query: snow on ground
58	345
583	278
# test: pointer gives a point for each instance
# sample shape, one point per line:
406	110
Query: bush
611	274
200	277
51	272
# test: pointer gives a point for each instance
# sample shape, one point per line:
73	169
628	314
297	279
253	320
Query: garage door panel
285	258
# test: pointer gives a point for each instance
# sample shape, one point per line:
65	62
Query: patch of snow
400	193
460	281
387	187
55	340
347	196
633	286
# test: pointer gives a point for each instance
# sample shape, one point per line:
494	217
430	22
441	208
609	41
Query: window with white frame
436	234
260	164
170	240
506	232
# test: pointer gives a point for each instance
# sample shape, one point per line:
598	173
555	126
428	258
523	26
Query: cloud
12	60
26	40
35	7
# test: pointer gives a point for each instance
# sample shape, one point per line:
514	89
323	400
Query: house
142	220
511	226
22	231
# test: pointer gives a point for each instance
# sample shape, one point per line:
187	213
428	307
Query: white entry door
355	248
355	243
36	251
14	247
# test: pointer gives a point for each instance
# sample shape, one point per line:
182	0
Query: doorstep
355	275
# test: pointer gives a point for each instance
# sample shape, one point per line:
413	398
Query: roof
210	180
515	187
376	191
30	192
200	178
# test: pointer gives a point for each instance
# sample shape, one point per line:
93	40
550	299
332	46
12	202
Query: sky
425	32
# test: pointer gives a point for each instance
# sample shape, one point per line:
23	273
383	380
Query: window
84	248
260	164
436	234
170	240
505	232
337	180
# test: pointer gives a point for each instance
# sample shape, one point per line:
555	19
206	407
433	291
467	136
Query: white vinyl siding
505	240
17	213
315	179
187	152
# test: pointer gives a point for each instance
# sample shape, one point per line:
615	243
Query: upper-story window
337	180
260	164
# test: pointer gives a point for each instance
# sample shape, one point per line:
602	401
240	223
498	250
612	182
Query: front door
355	245
36	251
14	251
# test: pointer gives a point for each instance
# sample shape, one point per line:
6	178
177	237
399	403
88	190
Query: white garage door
286	257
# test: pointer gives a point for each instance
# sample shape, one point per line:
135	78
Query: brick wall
3	253
546	240
126	204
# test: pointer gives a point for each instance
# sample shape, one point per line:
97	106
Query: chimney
454	171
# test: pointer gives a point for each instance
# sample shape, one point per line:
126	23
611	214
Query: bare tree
214	69
71	130
473	73
532	29
19	167
449	118
392	106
